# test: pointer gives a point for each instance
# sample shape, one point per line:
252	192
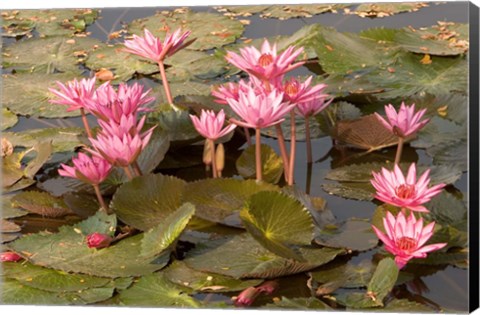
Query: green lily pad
148	200
8	237
242	257
380	35
8	210
81	203
179	273
407	306
219	30
123	64
167	232
299	304
439	132
12	169
444	39
451	106
15	292
219	200
242	10
451	154
458	258
387	9
47	22
284	12
278	221
381	283
353	84
356	191
157	290
62	139
354	234
300	130
9	119
21	184
41	203
446	209
59	186
27	94
68	251
410	76
272	165
343	53
9	227
49	279
52	54
180	89
43	151
347	275
177	123
194	65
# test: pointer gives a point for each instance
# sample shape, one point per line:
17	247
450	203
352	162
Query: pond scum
145	238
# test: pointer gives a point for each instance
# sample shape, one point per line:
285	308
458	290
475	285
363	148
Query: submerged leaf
272	165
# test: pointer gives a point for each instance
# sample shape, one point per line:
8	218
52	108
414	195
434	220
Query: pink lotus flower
74	93
120	150
98	240
296	92
404	123
405	237
210	125
92	170
152	48
109	104
247	297
230	90
128	124
393	188
313	107
10	257
259	110
265	64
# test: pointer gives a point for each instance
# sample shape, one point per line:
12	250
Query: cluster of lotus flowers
262	101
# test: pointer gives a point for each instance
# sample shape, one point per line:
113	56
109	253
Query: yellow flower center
406	243
265	60
405	191
291	88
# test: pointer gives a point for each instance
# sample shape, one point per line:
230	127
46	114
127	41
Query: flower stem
283	149
398	156
308	140
258	154
100	199
309	178
293	145
136	169
128	172
214	162
166	86
85	123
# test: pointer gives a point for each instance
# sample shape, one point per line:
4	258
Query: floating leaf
366	133
43	151
9	211
411	77
451	106
148	200
277	221
21	184
380	35
446	209
62	139
219	30
242	10
28	95
407	306
194	65
13	292
347	275
343	53
82	204
41	203
180	89
354	234
449	154
242	257
51	55
167	232
219	200
9	119
178	124
299	304
49	279
357	191
438	132
157	290
8	227
386	9
8	237
180	274
68	251
300	132
444	39
284	12
272	165
123	64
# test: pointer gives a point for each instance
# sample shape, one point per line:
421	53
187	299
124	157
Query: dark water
448	287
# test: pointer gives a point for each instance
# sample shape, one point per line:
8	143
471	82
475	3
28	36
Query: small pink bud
247	297
268	287
9	256
98	240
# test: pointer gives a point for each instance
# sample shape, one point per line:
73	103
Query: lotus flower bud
207	153
220	158
98	240
268	287
247	297
9	256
